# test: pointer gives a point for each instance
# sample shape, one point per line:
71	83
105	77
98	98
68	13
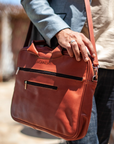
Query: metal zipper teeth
40	85
50	73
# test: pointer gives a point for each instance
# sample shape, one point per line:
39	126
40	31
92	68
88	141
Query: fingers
83	51
83	44
80	47
89	45
75	43
69	50
76	50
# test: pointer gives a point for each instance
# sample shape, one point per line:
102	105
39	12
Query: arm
44	18
49	25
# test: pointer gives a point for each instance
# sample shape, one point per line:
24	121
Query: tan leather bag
53	92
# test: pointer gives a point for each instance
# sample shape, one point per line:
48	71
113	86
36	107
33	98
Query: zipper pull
25	85
17	70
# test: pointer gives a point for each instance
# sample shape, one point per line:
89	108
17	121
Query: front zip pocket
40	85
49	73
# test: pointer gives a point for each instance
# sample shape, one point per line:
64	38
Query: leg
91	136
104	96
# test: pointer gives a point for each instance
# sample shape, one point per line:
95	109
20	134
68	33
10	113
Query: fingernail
78	59
93	55
86	59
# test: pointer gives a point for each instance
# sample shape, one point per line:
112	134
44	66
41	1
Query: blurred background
13	28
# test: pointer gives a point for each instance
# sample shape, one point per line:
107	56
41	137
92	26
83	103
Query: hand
65	37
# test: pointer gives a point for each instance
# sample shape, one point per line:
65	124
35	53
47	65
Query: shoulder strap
91	33
90	25
28	35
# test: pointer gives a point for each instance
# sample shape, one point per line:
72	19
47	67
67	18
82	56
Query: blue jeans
91	136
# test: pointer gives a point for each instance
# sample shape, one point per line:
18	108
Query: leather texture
64	112
53	92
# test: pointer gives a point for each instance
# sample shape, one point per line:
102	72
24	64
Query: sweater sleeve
43	17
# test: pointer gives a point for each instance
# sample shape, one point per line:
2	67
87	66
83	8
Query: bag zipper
49	73
40	85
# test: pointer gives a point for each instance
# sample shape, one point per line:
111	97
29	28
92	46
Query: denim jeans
91	136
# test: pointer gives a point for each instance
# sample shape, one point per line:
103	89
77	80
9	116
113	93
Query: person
103	22
61	21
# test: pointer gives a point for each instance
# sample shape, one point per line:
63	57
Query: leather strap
28	35
90	25
91	33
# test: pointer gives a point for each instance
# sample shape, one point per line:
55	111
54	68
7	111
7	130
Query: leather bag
53	92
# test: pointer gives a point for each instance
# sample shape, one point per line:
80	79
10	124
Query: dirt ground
12	132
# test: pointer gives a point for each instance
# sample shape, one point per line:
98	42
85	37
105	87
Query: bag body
53	92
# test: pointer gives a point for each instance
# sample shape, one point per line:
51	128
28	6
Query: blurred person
61	21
